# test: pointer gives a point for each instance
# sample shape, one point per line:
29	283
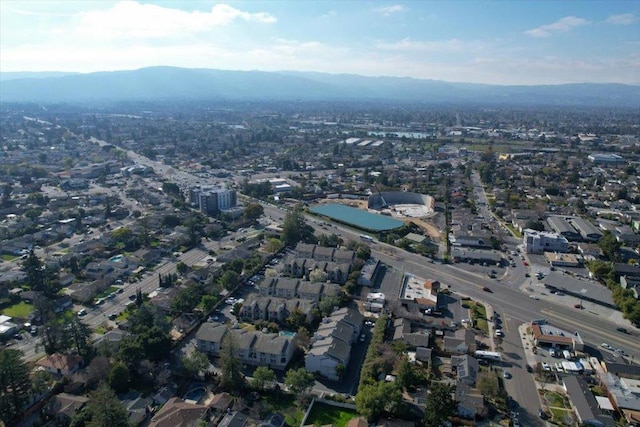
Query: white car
533	296
499	333
606	346
546	366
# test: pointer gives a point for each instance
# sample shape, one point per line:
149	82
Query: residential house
253	347
331	343
462	341
63	407
274	309
470	403
304	250
466	368
585	404
61	364
178	413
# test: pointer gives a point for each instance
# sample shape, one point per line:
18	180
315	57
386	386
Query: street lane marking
610	337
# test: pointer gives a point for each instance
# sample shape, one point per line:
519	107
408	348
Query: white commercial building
537	242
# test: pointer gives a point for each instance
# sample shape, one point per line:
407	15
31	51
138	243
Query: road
509	296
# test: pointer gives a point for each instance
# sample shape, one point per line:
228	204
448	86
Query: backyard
20	310
286	405
558	406
323	414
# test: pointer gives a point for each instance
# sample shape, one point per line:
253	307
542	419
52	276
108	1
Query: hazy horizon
487	42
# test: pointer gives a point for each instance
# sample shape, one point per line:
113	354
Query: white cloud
408	45
132	20
565	24
389	10
622	19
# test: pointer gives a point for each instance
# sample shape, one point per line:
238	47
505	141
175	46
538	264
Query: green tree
207	302
230	279
297	319
14	384
118	378
77	336
406	377
373	399
105	409
299	381
263	377
609	245
195	362
294	228
253	211
39	278
439	405
487	384
181	267
230	365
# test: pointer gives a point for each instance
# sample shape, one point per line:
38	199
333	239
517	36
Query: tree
181	267
439	405
14	384
253	211
230	279
105	409
373	399
297	319
77	335
406	377
294	228
609	245
487	384
195	362
118	378
273	245
207	302
328	303
230	365
263	377
5	201
299	381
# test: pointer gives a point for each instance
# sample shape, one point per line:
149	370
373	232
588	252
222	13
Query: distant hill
9	75
174	84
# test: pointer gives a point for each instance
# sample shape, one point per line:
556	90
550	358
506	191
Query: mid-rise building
537	242
212	200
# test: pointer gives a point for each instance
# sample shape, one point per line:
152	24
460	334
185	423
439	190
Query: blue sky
496	42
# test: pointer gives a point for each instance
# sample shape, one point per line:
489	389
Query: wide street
508	299
509	296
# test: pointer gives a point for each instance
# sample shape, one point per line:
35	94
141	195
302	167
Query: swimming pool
195	394
116	258
287	333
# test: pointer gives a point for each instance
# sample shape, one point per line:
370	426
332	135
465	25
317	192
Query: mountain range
188	84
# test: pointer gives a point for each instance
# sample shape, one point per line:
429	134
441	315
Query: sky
495	42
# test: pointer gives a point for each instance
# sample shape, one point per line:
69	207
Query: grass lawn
123	316
560	415
555	399
7	257
322	414
479	316
20	310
